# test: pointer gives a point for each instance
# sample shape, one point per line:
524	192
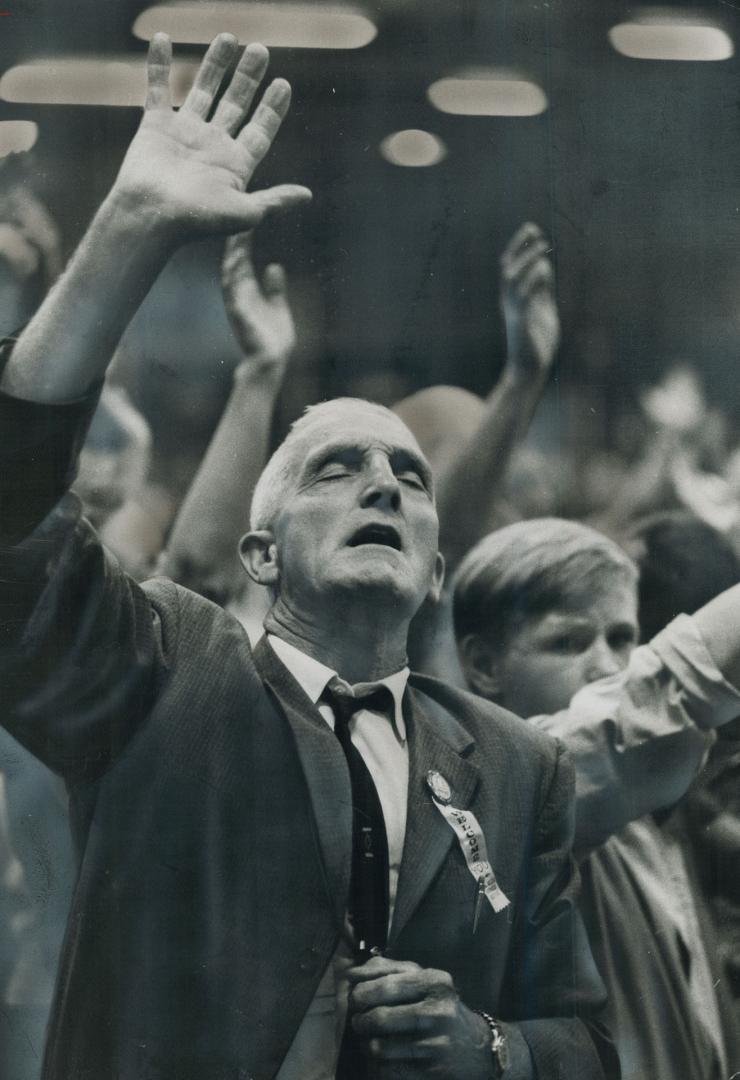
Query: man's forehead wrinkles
363	443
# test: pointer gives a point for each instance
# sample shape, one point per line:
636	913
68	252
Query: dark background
633	171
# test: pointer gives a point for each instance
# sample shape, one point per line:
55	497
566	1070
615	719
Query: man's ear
480	666
438	579
258	553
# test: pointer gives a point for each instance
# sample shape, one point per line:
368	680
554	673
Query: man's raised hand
189	170
185	175
528	303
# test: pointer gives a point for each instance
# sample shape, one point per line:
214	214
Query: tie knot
346	700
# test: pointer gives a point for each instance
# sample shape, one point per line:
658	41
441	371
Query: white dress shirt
381	740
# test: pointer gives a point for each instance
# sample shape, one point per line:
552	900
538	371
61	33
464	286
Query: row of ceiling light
654	34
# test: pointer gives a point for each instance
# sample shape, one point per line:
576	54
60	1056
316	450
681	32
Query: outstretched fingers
239	95
539	276
526	247
159	59
210	74
237	267
526	234
238	251
257	136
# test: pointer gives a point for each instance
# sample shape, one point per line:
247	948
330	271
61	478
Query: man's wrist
497	1044
131	218
481	1040
261	372
522	374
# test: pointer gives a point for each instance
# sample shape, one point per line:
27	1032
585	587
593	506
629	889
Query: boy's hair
527	569
683	564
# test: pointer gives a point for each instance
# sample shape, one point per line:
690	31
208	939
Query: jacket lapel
325	770
436	742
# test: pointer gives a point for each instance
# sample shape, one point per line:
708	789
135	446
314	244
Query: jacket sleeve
556	994
81	648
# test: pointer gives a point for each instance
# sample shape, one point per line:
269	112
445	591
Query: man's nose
602	661
382	489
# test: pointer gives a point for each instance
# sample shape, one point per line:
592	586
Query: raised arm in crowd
470	484
202	547
175	163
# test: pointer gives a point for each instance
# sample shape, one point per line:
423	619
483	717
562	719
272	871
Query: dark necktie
368	893
368	897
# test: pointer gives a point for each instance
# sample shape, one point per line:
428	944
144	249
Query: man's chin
376	580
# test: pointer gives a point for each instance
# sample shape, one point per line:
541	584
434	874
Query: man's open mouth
376	534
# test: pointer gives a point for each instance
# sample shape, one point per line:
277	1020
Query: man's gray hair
275	483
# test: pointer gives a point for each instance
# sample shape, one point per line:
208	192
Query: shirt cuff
708	697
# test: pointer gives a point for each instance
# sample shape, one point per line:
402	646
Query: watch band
499	1045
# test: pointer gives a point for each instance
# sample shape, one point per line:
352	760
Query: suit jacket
211	805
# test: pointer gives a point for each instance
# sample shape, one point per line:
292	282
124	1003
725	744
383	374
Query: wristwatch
499	1046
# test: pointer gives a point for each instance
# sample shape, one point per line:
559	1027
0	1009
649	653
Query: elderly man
283	874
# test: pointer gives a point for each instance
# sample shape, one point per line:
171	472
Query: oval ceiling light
89	80
281	25
487	93
665	40
17	136
413	148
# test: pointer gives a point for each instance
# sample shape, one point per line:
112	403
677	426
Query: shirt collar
312	676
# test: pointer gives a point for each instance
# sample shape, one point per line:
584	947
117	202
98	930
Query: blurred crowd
610	547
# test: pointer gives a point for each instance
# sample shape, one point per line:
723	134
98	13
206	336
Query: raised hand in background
202	548
258	311
528	303
471	482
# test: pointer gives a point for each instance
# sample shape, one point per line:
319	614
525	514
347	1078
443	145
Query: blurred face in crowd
550	657
29	254
357	519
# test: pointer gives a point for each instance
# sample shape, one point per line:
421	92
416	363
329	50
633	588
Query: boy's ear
480	666
258	553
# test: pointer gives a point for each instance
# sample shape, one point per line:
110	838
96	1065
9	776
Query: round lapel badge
438	786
